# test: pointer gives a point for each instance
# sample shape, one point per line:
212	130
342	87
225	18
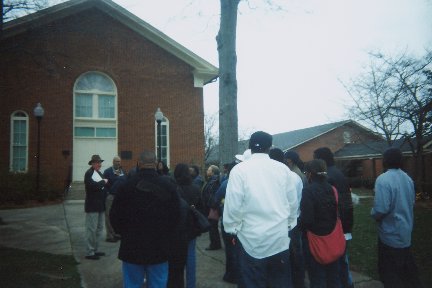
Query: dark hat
95	158
260	141
292	155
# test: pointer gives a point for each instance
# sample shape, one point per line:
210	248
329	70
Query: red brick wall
333	140
43	64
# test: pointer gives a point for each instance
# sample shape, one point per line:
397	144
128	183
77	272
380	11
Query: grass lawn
20	268
363	247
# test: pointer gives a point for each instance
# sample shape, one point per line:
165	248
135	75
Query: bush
369	183
18	188
355	182
360	182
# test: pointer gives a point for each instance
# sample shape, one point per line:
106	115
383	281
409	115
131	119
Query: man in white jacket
260	208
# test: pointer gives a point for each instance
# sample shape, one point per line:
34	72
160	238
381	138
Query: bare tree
211	139
374	93
415	106
394	96
17	8
226	45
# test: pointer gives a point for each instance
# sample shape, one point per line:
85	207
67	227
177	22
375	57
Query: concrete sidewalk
59	229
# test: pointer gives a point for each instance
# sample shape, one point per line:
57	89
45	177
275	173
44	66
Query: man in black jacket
208	194
94	206
145	213
338	180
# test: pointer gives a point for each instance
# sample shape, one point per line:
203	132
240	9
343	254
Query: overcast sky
289	62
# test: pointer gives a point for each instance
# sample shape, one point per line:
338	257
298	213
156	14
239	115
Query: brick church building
100	74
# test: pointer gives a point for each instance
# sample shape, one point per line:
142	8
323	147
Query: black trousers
177	264
231	259
215	240
396	267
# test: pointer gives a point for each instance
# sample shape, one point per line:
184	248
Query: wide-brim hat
95	158
243	157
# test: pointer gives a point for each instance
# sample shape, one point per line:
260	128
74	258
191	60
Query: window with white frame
347	137
95	106
165	149
19	142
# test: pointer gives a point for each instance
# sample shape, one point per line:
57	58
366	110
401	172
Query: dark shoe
112	240
212	248
229	280
92	257
99	253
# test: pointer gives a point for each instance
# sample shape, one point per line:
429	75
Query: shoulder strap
337	198
336	194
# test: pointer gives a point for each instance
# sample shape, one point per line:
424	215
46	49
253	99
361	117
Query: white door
83	150
95	121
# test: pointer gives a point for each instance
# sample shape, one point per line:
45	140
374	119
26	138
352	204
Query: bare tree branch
16	8
211	138
395	97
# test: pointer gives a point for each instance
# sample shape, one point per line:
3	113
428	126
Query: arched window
165	148
95	106
19	142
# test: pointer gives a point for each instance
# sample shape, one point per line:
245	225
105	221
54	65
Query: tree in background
12	9
415	106
211	139
394	96
226	45
374	92
16	8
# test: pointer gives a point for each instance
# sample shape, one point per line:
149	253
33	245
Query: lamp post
38	113
159	117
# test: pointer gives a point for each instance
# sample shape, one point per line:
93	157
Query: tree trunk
226	42
418	162
1	19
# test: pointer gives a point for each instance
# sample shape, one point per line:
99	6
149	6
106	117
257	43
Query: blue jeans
191	265
273	271
133	275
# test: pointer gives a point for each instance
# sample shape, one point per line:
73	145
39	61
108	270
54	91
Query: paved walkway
59	229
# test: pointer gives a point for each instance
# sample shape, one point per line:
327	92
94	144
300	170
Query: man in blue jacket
393	211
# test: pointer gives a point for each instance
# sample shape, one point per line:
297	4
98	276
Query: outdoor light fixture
38	113
159	117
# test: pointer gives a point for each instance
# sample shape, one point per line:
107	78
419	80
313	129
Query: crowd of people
262	209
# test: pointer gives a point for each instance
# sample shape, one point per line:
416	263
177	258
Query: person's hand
233	241
106	180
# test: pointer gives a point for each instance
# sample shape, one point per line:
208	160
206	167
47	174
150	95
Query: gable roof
204	72
292	139
375	149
